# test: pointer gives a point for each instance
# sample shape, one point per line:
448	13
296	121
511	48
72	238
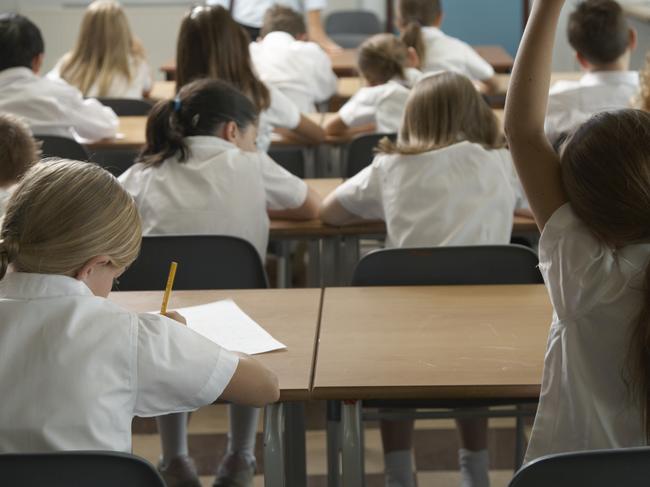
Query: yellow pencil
168	288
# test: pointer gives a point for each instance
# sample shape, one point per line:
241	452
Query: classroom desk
291	316
503	80
497	56
438	342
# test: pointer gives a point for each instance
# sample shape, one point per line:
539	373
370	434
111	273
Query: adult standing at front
250	13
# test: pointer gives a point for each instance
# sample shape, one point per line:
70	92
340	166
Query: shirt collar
596	78
203	147
278	37
26	285
432	31
10	75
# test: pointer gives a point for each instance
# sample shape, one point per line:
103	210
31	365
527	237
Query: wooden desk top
503	80
290	315
130	135
497	56
432	342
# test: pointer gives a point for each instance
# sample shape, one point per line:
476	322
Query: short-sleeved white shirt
52	107
219	190
75	368
282	113
459	195
446	53
572	103
251	12
382	105
302	71
120	86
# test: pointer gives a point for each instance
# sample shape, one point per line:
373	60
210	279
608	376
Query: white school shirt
54	107
75	368
571	103
251	12
459	195
302	71
219	190
596	296
446	53
282	112
382	105
120	86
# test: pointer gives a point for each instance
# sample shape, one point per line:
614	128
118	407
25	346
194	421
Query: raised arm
537	163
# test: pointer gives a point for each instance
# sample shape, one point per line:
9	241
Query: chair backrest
127	107
629	467
78	468
352	22
361	151
66	148
290	158
115	161
204	262
476	264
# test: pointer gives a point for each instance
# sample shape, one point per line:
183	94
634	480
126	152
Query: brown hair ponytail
8	253
412	16
412	37
382	58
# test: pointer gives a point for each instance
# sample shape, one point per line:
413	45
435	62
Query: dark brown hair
283	19
597	30
606	173
198	109
18	149
413	15
441	110
212	45
381	58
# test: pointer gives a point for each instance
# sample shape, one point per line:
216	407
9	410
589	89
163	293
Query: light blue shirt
251	12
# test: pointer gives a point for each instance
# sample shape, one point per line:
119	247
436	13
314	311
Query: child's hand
176	317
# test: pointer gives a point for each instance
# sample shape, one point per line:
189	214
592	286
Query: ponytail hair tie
177	104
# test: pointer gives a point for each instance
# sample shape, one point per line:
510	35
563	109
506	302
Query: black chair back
349	28
115	161
204	262
63	147
470	265
361	151
290	158
127	107
629	467
79	469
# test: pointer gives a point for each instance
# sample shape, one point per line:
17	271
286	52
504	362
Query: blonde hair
18	149
643	101
63	214
381	58
104	49
441	110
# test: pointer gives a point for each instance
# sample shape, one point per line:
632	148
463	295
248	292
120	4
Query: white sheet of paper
227	325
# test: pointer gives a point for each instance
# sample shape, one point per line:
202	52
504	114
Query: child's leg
397	439
173	436
473	454
239	461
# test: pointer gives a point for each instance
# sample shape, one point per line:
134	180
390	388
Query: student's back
49	107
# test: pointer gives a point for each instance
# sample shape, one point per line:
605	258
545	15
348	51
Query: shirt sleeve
177	369
361	195
574	264
284	191
326	82
478	67
282	112
315	5
361	109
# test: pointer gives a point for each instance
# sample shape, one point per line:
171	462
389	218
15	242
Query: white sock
173	436
398	468
474	468
243	431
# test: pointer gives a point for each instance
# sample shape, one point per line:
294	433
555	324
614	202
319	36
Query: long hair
212	45
18	149
104	49
381	58
441	110
643	100
412	16
605	167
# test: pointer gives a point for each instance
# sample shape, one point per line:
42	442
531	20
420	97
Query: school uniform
54	107
75	368
458	195
220	190
282	113
120	86
572	103
302	71
446	53
251	12
382	104
596	292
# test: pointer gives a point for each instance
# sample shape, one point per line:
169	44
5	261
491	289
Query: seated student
49	107
88	366
201	174
419	23
592	204
212	45
284	59
447	181
18	151
603	42
107	60
386	63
